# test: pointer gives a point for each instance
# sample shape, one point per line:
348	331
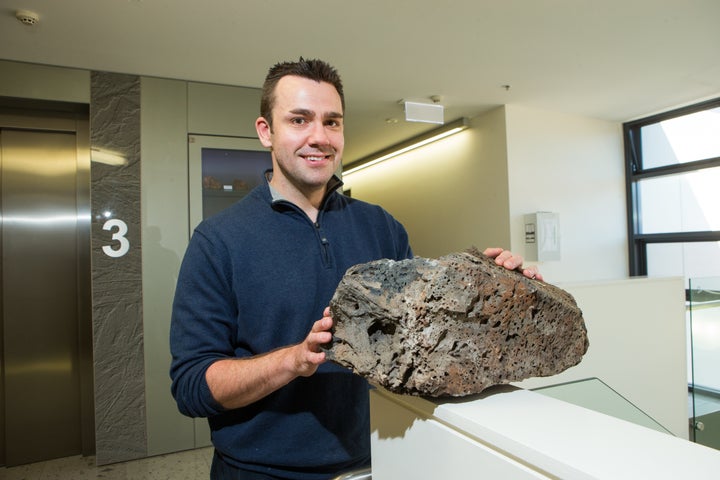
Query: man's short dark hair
317	70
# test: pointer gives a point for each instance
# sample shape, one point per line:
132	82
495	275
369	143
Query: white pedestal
509	433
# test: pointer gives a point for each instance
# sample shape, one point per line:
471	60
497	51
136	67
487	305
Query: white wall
451	194
475	188
25	80
573	166
164	199
636	329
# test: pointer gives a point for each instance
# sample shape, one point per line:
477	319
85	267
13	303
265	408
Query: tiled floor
189	465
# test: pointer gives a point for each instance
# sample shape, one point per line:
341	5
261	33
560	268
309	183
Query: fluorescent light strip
403	147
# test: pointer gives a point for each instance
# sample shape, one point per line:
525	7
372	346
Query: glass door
222	171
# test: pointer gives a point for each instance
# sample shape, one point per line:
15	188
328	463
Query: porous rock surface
452	326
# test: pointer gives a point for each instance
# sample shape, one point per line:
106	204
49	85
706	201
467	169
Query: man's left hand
510	261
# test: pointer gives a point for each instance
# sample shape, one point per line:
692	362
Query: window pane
682	139
686	202
689	260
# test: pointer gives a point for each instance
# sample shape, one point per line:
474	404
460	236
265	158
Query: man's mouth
317	157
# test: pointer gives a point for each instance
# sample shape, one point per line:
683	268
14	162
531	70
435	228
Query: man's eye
298	121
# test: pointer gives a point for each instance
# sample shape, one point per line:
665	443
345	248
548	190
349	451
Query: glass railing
703	323
594	394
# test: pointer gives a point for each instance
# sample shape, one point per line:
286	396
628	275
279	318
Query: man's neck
308	201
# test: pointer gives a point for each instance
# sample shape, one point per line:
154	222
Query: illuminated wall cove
120	420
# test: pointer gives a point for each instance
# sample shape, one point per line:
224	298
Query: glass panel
221	170
681	139
704	356
689	260
228	175
685	202
594	394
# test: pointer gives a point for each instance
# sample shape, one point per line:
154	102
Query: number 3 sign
119	236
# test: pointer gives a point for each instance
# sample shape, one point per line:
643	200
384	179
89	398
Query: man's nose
318	135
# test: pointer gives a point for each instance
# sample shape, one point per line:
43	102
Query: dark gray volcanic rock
453	326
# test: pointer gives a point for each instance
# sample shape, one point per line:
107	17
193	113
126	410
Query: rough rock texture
452	326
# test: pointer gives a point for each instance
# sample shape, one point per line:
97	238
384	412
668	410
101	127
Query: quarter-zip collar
277	200
333	184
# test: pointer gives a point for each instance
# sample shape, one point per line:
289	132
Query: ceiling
612	59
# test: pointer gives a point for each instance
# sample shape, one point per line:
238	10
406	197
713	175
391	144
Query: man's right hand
237	382
309	353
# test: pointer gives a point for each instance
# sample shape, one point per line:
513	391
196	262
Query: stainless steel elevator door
40	295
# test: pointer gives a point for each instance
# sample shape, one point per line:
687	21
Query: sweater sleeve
405	251
202	325
400	238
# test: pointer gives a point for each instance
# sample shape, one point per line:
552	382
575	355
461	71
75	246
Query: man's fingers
322	325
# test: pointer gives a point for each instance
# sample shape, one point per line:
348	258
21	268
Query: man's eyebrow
303	111
309	113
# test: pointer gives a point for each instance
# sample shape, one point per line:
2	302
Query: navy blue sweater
255	277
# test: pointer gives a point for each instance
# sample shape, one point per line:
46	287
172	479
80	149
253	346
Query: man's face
306	136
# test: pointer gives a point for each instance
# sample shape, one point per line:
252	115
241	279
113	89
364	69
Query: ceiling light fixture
428	137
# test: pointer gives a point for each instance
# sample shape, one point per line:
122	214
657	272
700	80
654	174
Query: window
673	192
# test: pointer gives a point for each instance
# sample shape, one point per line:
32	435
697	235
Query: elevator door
40	330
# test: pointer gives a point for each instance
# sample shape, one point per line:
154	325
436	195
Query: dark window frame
634	172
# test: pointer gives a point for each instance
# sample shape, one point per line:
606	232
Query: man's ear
264	131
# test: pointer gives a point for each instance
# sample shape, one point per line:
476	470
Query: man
244	335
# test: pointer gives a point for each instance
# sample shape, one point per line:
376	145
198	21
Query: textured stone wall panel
452	326
120	421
